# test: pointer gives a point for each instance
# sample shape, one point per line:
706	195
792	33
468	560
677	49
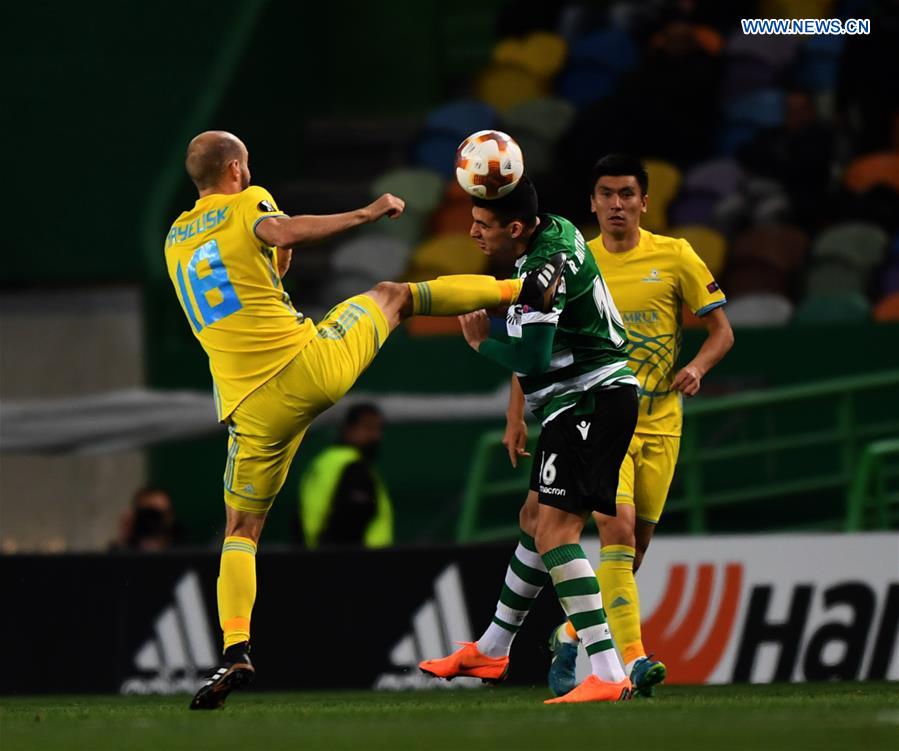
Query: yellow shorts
646	474
267	427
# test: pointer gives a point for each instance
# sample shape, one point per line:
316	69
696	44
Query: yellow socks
462	293
621	600
237	588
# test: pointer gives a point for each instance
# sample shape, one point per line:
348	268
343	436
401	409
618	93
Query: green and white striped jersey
590	343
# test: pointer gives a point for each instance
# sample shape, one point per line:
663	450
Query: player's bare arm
516	436
717	344
285	255
289	232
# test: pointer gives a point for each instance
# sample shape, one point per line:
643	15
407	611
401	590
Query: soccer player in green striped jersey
571	365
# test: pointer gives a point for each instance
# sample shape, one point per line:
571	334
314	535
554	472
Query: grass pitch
822	716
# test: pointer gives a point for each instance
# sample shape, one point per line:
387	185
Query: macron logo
181	647
437	625
583	427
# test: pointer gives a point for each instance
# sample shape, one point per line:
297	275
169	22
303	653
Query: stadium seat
372	254
612	48
771	209
710	245
888	308
461	118
796	9
857	244
763	108
586	83
409	227
893	250
732	136
780	247
704	36
453	216
718	176
709	39
752	277
849	307
761	309
541	53
547	117
819	64
693	207
834	277
664	181
758	188
537	151
731	213
776	51
446	254
437	152
871	170
744	74
504	86
421	189
889	280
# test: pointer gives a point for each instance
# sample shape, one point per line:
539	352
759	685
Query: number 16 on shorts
548	474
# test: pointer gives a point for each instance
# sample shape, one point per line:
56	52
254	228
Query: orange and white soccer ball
489	164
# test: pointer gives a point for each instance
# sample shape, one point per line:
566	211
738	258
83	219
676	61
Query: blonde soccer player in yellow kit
273	369
650	278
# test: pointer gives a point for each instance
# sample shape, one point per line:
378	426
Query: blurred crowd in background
777	157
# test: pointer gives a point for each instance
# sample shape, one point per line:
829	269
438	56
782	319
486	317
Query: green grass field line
818	716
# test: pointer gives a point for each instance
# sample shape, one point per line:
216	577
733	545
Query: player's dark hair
621	165
206	159
518	205
355	413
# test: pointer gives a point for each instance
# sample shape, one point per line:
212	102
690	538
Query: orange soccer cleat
467	661
595	689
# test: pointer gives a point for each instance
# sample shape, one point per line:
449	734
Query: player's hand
387	205
515	439
475	328
687	381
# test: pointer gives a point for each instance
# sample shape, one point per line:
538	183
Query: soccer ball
489	164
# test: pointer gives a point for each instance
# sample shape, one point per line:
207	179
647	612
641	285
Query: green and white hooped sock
578	592
525	577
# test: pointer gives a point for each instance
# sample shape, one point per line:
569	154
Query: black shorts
578	457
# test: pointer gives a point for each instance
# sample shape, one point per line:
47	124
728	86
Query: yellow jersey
227	281
649	284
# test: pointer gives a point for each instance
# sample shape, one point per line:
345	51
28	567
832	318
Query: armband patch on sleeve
266	206
712	286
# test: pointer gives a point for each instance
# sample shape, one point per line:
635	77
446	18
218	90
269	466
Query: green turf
823	716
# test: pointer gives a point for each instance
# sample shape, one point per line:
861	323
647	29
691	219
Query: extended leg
488	658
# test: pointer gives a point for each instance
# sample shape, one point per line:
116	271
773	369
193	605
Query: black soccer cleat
538	290
236	671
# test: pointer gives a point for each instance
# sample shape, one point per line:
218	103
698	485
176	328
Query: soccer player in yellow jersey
650	277
273	369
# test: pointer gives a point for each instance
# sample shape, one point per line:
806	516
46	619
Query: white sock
525	577
496	641
569	568
607	666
